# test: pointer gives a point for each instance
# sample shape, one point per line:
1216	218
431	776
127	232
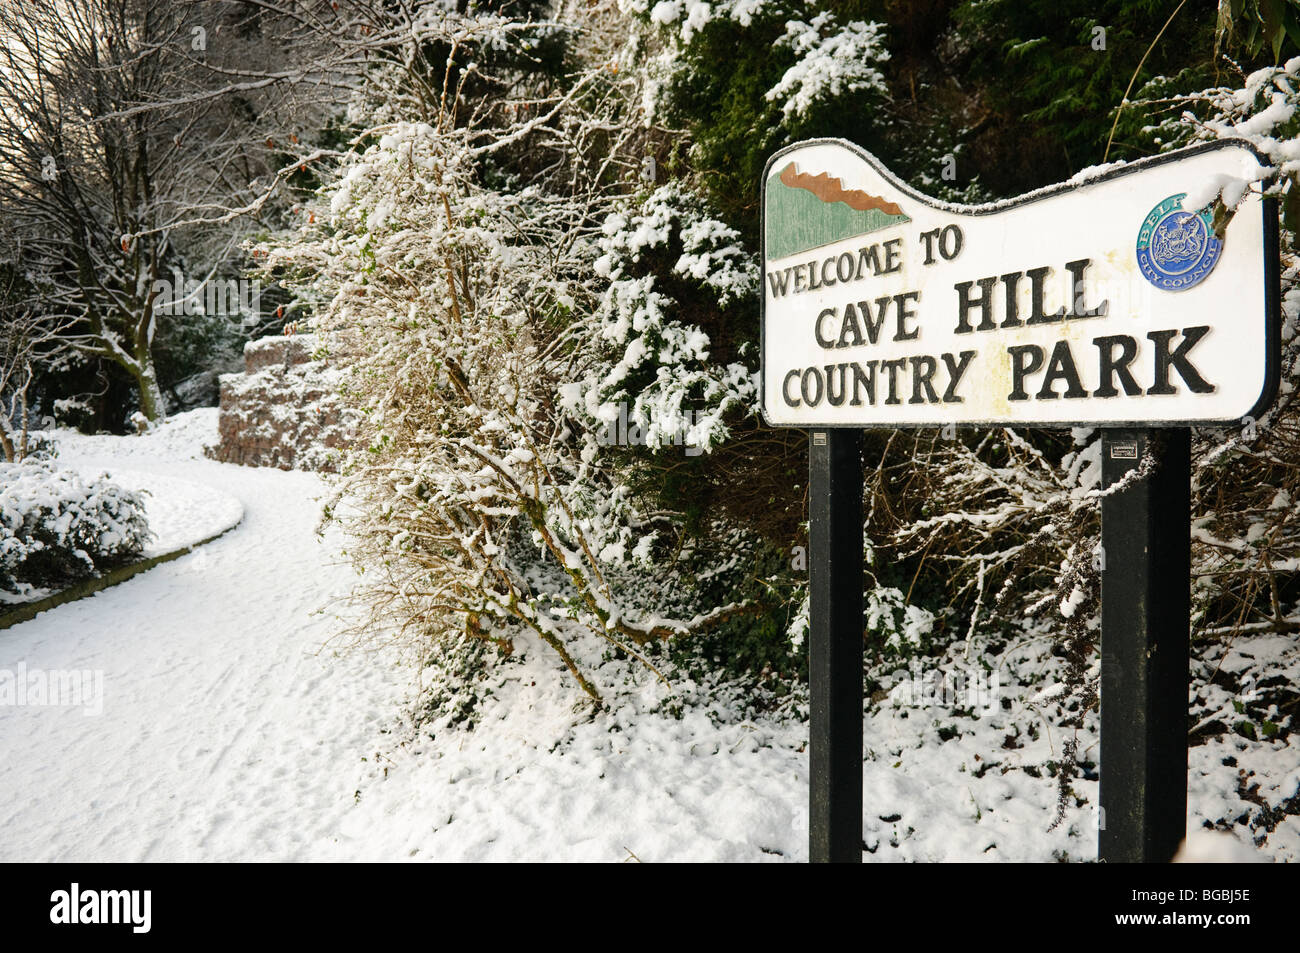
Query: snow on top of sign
1233	186
1221	185
1094	172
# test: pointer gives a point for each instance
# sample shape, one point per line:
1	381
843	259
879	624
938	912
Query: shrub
57	527
489	280
34	445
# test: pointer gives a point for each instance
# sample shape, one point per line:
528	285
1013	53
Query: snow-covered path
213	742
226	732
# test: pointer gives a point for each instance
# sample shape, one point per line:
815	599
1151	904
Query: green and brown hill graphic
806	211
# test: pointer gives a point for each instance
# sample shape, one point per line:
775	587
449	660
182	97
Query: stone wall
283	411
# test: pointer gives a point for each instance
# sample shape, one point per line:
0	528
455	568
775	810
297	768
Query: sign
1103	300
1107	300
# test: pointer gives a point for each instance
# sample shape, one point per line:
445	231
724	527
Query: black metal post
835	646
1146	555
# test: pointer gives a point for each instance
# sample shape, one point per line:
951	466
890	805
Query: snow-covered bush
40	444
995	512
830	58
657	371
57	527
74	413
833	59
489	330
901	630
1262	112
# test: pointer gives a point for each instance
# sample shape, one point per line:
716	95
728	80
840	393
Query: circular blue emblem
1177	249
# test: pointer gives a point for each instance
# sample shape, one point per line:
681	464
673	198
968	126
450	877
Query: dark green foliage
1260	27
729	68
754	642
188	344
1055	71
1019	93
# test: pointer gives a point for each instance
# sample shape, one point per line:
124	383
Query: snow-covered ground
181	512
234	726
226	734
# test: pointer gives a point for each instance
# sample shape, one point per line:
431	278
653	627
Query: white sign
1103	300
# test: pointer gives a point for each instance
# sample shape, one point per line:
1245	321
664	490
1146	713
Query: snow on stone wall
283	411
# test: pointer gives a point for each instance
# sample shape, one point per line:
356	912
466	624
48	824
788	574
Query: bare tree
26	337
131	130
